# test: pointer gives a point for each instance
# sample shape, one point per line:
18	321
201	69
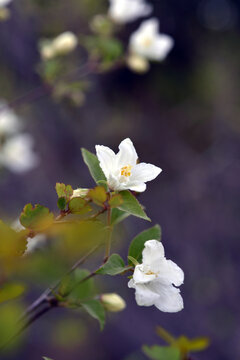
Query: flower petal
153	252
106	158
162	45
169	298
144	296
145	172
170	272
140	276
138	188
127	154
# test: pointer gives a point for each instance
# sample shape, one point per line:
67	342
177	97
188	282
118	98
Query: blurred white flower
113	302
148	43
4	2
123	11
122	170
33	244
17	154
61	45
153	280
9	122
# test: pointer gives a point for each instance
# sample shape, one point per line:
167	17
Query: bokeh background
183	116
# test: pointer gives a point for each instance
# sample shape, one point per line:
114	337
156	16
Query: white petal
138	188
144	296
153	252
162	45
127	154
150	26
170	272
140	276
106	158
145	172
169	298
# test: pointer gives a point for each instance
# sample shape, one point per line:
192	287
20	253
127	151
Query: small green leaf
118	216
115	265
98	195
96	310
61	203
65	191
92	163
11	291
82	289
186	345
161	352
115	201
137	245
132	206
36	218
79	206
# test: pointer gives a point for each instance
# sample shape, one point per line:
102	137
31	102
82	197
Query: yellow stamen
126	170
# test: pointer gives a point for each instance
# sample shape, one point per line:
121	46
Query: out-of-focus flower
113	302
35	243
17	154
4	2
148	43
61	45
122	170
9	122
137	63
124	11
153	280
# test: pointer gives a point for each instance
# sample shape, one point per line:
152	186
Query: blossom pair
146	43
154	280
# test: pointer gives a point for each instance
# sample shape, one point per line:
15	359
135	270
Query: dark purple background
182	116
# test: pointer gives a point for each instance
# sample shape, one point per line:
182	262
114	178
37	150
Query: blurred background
183	115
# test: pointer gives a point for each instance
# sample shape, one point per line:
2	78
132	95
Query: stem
110	229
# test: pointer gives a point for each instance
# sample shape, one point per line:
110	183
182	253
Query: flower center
147	41
126	170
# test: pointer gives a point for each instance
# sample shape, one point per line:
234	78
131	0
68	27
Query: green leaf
81	290
92	163
11	291
137	245
96	310
115	201
61	203
79	205
132	206
36	218
65	191
186	345
115	265
98	195
161	352
13	244
118	215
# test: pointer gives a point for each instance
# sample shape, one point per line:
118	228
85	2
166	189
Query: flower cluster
16	149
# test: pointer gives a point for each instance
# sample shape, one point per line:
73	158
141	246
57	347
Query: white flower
148	43
122	170
123	11
61	45
113	302
153	280
9	122
17	155
4	2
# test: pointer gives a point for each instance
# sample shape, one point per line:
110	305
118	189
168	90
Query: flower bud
47	51
113	302
79	193
64	43
138	63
